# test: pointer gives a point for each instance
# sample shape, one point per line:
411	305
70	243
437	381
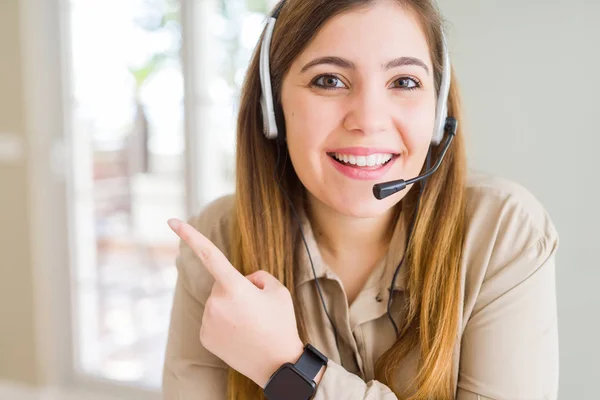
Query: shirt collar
381	276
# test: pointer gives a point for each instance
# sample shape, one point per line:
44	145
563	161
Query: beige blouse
508	346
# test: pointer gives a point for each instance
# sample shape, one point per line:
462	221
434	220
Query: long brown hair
264	232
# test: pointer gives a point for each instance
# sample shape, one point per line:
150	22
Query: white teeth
362	161
372	160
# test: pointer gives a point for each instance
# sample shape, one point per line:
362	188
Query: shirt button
379	298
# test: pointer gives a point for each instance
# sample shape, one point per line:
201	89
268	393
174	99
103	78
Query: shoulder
213	221
500	199
509	235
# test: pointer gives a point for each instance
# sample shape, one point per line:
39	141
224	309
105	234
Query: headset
445	126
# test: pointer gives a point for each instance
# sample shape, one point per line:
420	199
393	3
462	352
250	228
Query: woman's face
360	94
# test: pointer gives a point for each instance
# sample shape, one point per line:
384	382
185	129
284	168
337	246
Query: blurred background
116	115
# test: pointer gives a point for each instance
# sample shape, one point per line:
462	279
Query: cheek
311	116
418	124
308	125
415	124
310	122
302	140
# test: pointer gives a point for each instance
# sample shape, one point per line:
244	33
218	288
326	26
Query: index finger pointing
213	259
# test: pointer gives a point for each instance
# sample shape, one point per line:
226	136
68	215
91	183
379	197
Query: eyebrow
337	61
399	62
346	64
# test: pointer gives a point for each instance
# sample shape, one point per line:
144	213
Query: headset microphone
385	189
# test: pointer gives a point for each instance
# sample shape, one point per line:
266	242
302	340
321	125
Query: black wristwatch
296	381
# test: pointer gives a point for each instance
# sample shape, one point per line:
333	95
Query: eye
406	83
328	82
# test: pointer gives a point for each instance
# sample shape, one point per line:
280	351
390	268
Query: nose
368	111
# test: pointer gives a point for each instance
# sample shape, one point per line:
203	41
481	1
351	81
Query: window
140	153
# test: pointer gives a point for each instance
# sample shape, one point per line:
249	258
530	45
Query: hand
249	321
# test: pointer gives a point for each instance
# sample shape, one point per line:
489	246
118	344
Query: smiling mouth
370	162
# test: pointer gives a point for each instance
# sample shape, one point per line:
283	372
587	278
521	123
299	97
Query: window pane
128	169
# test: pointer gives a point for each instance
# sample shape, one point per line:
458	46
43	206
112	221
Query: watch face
286	383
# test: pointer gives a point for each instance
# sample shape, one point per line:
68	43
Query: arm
510	343
339	384
191	371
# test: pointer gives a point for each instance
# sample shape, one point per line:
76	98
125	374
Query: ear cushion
280	121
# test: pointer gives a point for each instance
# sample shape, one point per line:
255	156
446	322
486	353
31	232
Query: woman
443	290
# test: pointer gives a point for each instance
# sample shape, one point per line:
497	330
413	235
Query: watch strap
310	362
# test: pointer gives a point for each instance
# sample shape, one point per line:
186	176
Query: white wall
529	72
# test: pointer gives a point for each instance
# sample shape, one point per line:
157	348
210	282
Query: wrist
291	356
297	380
